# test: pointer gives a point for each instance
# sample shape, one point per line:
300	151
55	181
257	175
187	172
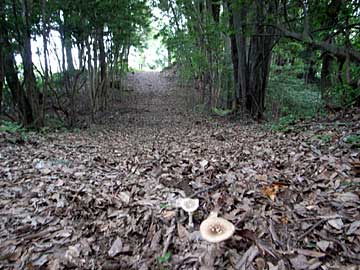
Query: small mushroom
214	230
189	205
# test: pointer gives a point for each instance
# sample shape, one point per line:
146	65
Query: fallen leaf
310	253
323	245
115	248
300	262
182	232
272	190
354	227
336	223
204	163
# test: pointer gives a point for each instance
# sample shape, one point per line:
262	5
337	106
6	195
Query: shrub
288	95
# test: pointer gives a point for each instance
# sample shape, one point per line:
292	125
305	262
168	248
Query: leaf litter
105	197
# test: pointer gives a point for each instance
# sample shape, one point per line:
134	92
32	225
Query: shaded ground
105	198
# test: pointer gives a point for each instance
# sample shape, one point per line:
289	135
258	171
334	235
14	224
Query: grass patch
18	134
284	124
353	140
221	112
11	127
288	95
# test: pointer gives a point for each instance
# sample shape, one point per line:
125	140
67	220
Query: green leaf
165	258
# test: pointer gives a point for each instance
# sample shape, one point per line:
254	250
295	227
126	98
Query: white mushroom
189	205
215	229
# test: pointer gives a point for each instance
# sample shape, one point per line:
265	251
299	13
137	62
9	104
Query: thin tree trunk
46	66
254	54
29	76
95	75
103	79
239	17
90	77
2	45
325	81
234	57
68	44
20	101
81	48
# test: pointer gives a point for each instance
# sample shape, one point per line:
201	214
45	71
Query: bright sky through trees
153	56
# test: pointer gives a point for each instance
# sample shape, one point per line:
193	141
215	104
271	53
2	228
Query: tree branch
339	52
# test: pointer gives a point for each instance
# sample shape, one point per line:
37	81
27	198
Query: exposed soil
105	197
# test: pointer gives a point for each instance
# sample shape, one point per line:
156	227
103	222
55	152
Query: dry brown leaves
104	198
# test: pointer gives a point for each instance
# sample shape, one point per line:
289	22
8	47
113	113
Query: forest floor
105	197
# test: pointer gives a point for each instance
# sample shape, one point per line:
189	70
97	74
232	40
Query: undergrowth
11	127
289	99
288	95
18	134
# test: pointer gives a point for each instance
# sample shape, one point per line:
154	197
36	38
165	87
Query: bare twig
313	227
346	253
215	186
169	236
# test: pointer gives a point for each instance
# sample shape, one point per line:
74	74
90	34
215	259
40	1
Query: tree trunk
239	19
341	63
90	77
309	69
254	55
325	81
215	10
234	56
2	45
168	57
68	44
29	76
95	75
1	75
103	67
45	34
20	101
81	48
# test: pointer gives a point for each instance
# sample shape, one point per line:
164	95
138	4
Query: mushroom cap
189	205
216	229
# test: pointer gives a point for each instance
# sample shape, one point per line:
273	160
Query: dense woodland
102	37
230	49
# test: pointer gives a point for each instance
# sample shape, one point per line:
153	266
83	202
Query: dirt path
154	101
104	198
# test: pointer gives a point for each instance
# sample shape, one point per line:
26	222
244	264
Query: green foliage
18	134
11	127
53	124
354	140
164	205
288	95
285	124
200	108
200	46
221	112
165	258
344	95
324	138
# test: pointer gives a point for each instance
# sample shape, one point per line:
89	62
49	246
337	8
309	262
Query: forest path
104	198
153	100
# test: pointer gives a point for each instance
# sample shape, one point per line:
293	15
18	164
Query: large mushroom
190	206
214	229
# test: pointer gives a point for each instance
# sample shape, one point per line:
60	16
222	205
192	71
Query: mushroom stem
191	224
209	256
